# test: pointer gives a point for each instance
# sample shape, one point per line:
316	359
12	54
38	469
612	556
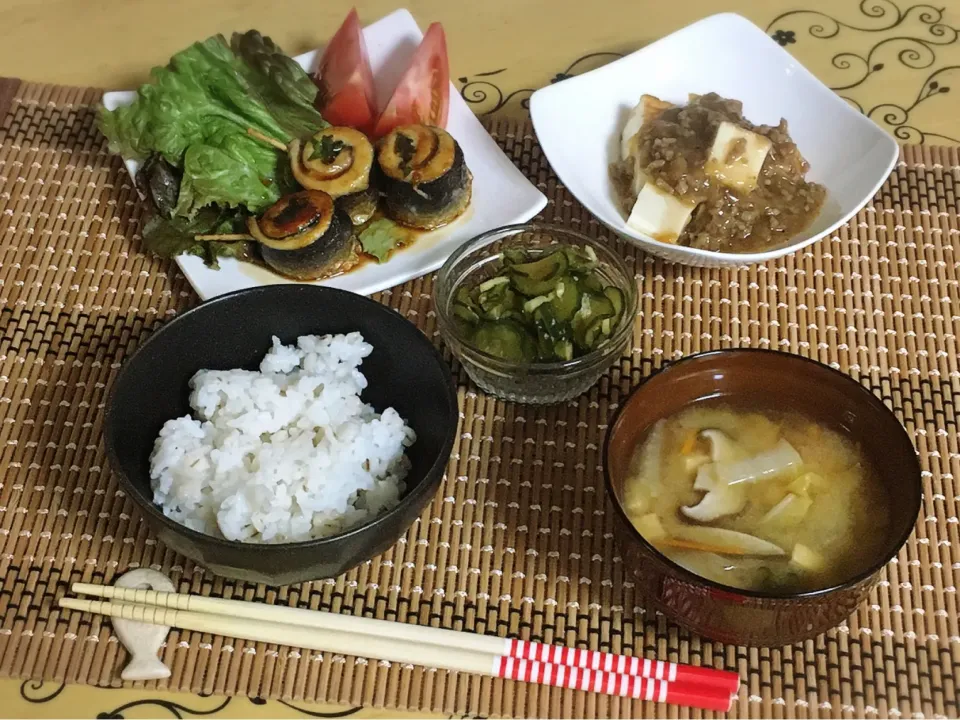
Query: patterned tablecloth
898	63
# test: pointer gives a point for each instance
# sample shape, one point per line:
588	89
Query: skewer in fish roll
338	160
426	182
305	236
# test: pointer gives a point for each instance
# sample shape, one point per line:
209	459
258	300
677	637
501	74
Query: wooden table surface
899	63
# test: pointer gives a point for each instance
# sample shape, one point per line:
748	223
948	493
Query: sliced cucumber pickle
549	325
530	305
591	283
493	282
566	298
513	256
533	288
586	323
600	306
550	330
581	259
563	350
497	301
545	268
465	313
615	296
463	297
592	333
542	306
505	339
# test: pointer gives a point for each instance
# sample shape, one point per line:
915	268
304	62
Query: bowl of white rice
284	433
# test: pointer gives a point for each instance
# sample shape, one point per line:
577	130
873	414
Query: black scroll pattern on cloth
911	38
485	96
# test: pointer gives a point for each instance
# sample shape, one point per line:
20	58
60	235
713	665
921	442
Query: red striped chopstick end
706	697
623	664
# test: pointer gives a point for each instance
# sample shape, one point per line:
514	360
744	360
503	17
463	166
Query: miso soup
756	499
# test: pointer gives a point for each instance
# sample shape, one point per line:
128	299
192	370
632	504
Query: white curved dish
501	193
578	123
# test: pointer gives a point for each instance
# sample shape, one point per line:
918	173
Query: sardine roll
426	182
336	160
305	236
360	206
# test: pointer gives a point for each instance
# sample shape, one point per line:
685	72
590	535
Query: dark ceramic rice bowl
404	371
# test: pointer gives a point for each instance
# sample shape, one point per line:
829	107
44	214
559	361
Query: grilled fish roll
304	236
426	182
360	206
336	160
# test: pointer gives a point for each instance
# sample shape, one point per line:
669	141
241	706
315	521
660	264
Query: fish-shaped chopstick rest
140	639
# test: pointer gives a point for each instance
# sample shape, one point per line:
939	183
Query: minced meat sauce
672	149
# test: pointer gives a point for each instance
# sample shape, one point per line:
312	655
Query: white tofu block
651	528
647	109
659	214
807	558
632	127
737	167
639	179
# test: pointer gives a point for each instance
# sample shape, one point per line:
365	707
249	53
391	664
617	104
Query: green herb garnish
327	149
404	148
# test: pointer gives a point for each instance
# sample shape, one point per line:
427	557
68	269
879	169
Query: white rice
286	454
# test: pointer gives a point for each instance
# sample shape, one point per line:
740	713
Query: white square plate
501	194
579	121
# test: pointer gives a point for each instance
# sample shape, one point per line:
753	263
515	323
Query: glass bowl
530	382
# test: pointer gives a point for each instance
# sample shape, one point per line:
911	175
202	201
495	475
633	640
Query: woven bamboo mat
518	541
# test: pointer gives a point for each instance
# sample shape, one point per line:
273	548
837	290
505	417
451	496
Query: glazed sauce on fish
254	267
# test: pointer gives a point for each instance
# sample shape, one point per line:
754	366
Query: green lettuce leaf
192	123
227	177
282	83
381	237
196	113
203	89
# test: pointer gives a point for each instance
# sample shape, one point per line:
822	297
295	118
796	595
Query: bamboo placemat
518	541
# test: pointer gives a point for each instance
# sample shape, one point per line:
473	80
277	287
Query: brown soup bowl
781	380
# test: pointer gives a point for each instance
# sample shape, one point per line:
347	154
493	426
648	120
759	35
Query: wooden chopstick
489	645
449	657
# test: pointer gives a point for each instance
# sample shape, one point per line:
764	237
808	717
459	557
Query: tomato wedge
345	79
423	94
